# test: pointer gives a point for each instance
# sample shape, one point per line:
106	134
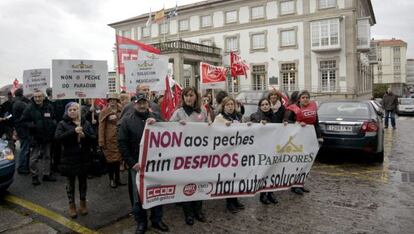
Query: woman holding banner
76	137
228	115
304	112
191	110
265	115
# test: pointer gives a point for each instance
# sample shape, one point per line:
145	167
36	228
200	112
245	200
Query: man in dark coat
6	120
390	104
129	136
39	118
19	104
153	107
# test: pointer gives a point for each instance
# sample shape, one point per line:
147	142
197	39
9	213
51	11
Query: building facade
410	75
318	45
392	64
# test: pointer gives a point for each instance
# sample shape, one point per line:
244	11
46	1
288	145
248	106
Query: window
397	60
231	17
111	84
126	34
187	77
257	12
259	77
396	52
288	75
379	68
328	71
288	38
206	21
233	83
164	28
146	32
287	7
183	25
323	4
232	44
258	41
364	33
397	69
325	34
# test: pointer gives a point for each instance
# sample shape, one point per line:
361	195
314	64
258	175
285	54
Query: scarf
276	106
189	110
231	117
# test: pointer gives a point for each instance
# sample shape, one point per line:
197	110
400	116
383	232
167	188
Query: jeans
140	213
24	154
389	114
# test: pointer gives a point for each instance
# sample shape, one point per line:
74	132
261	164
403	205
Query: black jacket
19	104
130	131
40	120
75	155
259	116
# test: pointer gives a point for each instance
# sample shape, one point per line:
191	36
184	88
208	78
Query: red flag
237	65
212	76
100	102
15	86
177	95
128	49
167	104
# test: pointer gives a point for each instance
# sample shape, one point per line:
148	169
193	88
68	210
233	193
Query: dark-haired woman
265	115
191	110
303	111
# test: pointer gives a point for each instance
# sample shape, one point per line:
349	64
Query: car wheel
379	157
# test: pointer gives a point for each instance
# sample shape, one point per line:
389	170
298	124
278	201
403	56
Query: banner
36	79
128	50
199	162
79	79
212	76
150	71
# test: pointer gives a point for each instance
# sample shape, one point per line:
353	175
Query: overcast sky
33	32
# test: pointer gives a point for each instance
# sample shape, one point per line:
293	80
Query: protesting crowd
79	141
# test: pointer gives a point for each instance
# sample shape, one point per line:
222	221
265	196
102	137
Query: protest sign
79	79
199	162
36	79
151	71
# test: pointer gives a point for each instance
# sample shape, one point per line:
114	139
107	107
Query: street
348	194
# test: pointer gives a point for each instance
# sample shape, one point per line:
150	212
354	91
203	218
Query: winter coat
223	118
75	155
40	120
108	138
131	128
290	117
258	116
390	102
19	104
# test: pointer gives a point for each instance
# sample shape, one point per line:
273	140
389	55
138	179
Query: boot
72	210
83	210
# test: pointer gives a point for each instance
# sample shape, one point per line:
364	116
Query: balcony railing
181	46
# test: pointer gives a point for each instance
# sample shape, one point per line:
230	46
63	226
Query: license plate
339	128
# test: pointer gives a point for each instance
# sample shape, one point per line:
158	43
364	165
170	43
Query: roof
392	42
371	10
179	9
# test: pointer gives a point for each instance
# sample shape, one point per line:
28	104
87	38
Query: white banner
150	70
200	162
36	79
79	79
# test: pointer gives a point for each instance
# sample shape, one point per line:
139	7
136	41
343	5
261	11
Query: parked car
251	96
405	106
352	125
249	109
7	166
378	107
